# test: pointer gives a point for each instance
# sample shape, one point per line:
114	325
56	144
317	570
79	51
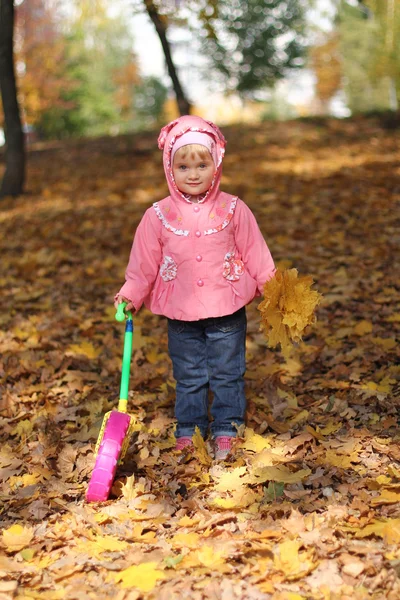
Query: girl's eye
182	168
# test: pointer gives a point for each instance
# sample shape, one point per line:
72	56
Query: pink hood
173	131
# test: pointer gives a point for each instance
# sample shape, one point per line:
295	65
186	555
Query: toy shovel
117	427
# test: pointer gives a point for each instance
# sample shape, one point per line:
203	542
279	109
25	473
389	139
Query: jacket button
196	208
200	282
199	258
198	233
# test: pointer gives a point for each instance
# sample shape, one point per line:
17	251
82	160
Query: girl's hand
129	305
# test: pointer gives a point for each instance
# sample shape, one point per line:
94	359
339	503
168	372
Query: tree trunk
181	100
13	180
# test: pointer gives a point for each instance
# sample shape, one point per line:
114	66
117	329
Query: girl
198	257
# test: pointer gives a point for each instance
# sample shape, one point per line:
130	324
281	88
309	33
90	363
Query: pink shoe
183	442
223	446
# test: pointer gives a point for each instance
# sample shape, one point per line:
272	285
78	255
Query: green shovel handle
121	315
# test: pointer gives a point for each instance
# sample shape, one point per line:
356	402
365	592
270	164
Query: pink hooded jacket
191	261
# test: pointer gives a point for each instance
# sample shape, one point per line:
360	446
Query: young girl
198	257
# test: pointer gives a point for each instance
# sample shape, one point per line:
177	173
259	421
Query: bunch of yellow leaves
288	308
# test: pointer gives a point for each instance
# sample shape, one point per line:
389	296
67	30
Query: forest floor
308	507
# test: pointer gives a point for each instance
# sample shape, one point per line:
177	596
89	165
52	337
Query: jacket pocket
233	268
168	269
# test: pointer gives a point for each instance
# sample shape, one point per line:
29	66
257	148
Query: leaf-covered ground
308	507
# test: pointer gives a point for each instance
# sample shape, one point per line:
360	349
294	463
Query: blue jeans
209	354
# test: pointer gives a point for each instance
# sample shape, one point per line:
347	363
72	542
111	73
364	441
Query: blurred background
91	67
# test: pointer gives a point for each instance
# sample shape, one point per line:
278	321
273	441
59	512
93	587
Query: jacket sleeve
144	260
251	245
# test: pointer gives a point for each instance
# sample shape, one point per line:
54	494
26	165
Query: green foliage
370	50
277	108
172	561
149	99
253	43
96	50
274	491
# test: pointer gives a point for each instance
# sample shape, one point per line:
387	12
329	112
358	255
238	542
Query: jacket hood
167	139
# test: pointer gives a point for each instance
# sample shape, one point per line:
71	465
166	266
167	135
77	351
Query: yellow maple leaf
187	521
7	456
186	540
139	340
254	441
287	557
240	498
287	308
383	387
21	334
102	518
100	545
388	529
385	343
395	318
209	557
292	366
267	587
23	481
149	537
291	562
342	461
154	356
45	562
200	448
331	427
23	429
86	348
383	480
231	480
143	577
280	474
363	327
17	537
129	490
289	397
386	497
265	458
393	472
301	416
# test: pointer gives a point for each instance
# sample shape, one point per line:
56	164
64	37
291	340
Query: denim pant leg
187	349
226	350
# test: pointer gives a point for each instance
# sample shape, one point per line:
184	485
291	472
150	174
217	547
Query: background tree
386	63
99	74
253	43
160	22
370	49
40	59
326	62
149	101
246	45
13	180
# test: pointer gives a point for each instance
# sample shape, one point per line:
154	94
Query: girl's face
193	173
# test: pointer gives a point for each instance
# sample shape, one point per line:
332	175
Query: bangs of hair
193	149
